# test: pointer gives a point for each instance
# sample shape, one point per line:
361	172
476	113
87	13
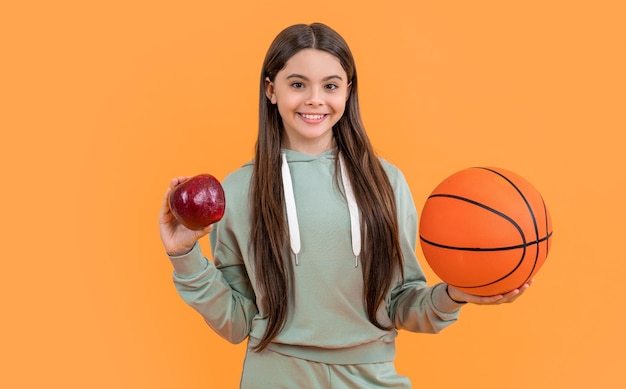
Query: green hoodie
327	321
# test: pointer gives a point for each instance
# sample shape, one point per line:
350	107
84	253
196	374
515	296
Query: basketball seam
532	215
504	248
488	208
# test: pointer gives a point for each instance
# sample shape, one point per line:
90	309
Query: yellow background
102	103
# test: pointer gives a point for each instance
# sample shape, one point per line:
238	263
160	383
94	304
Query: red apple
198	201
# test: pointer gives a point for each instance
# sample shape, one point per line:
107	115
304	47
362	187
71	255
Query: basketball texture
485	230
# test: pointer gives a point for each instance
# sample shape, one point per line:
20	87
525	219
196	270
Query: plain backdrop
102	103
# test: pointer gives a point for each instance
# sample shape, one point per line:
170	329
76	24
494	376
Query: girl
314	260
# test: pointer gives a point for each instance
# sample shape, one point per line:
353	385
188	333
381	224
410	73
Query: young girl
314	260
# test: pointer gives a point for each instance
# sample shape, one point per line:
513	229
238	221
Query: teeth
312	117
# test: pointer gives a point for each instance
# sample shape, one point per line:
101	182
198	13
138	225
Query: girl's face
311	93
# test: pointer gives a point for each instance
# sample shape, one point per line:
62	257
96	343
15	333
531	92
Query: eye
331	86
297	85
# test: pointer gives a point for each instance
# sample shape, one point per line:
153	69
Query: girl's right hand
177	239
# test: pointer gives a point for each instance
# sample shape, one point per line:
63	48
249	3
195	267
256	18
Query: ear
349	91
269	90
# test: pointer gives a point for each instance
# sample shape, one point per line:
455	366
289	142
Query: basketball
485	231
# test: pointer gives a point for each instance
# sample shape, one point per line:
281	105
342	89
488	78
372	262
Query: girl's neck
310	148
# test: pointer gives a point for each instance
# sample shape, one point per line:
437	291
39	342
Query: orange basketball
485	231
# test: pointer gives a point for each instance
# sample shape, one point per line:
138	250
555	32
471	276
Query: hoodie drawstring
292	215
290	203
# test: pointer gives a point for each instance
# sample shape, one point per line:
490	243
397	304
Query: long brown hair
381	256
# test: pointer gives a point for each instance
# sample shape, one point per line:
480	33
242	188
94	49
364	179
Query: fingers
165	206
178	180
491	300
506	298
519	291
515	294
175	181
510	296
165	215
174	235
204	231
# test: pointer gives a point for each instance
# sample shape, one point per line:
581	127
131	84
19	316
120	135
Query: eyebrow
331	77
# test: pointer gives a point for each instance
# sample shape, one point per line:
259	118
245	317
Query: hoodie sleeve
223	296
413	304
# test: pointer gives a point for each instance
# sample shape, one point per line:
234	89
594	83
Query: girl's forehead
313	61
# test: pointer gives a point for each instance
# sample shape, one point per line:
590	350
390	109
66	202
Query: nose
315	97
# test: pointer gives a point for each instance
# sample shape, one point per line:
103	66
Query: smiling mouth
315	117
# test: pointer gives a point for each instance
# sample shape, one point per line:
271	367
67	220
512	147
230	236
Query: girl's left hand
489	300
